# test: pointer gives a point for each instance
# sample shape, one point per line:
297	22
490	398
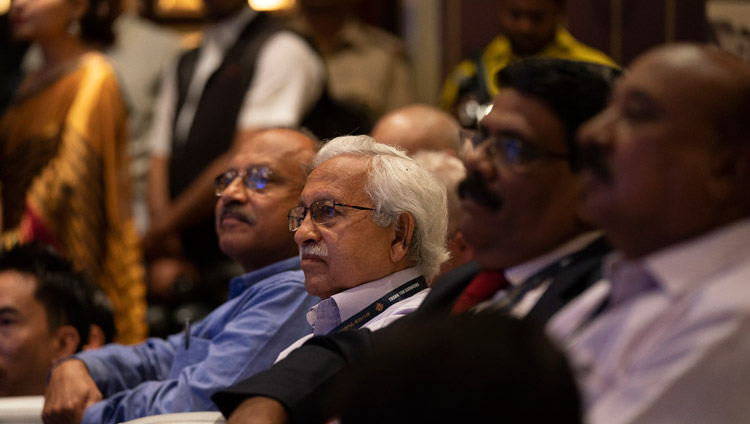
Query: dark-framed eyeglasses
321	212
255	178
512	149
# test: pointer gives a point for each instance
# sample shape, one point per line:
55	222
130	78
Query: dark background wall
621	28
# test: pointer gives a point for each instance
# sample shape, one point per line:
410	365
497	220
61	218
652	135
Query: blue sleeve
115	367
264	322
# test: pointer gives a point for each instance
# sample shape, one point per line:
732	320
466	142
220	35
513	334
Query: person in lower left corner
45	315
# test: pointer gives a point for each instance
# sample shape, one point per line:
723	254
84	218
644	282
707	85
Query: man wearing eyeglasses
371	228
521	216
265	312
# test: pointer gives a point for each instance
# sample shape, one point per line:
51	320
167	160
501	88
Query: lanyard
507	303
394	296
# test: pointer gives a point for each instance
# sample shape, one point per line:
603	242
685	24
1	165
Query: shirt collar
225	32
355	299
520	273
679	268
242	282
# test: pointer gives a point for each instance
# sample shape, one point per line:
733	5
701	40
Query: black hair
575	91
96	22
67	295
460	368
102	315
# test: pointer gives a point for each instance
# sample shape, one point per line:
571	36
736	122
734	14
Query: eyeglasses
321	212
511	149
254	178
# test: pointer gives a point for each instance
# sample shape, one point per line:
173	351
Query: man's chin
234	244
315	285
527	48
596	192
229	223
595	203
474	211
478	224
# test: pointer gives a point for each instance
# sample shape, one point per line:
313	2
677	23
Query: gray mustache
319	249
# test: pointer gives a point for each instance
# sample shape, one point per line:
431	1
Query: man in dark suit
521	199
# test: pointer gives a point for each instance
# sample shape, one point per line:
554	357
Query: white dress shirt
288	80
350	302
673	343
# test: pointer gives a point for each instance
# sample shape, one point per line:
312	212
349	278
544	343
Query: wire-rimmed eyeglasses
512	149
321	211
255	178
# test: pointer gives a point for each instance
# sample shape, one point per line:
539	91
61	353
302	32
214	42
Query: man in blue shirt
265	312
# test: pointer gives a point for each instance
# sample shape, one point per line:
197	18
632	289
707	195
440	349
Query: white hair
397	184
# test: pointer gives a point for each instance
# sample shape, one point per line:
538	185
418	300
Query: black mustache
593	157
233	210
475	187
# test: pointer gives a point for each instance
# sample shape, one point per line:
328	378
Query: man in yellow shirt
527	28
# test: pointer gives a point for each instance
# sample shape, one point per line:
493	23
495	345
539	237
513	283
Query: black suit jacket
303	380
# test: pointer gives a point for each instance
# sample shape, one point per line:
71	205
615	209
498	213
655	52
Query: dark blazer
303	380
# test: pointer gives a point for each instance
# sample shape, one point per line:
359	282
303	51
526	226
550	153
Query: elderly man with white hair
371	228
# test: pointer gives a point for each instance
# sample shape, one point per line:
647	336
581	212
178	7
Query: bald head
669	159
717	83
418	127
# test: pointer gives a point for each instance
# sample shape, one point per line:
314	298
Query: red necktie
481	288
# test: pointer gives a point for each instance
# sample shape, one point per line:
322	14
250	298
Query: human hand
259	410
69	392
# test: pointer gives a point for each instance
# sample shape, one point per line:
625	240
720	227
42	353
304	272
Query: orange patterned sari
64	181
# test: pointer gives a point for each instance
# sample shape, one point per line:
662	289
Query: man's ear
730	175
460	248
66	342
403	229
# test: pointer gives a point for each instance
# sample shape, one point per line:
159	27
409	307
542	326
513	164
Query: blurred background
439	33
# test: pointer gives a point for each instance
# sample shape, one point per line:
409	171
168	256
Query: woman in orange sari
63	161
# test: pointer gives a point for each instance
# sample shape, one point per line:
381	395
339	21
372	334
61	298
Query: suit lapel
571	281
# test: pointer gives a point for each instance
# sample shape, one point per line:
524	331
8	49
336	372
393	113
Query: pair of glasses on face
321	212
255	178
512	149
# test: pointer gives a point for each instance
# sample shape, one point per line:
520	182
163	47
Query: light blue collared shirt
265	313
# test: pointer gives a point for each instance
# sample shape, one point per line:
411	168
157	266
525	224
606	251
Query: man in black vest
521	203
248	74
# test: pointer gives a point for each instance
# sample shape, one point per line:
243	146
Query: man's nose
307	231
477	160
235	192
597	130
